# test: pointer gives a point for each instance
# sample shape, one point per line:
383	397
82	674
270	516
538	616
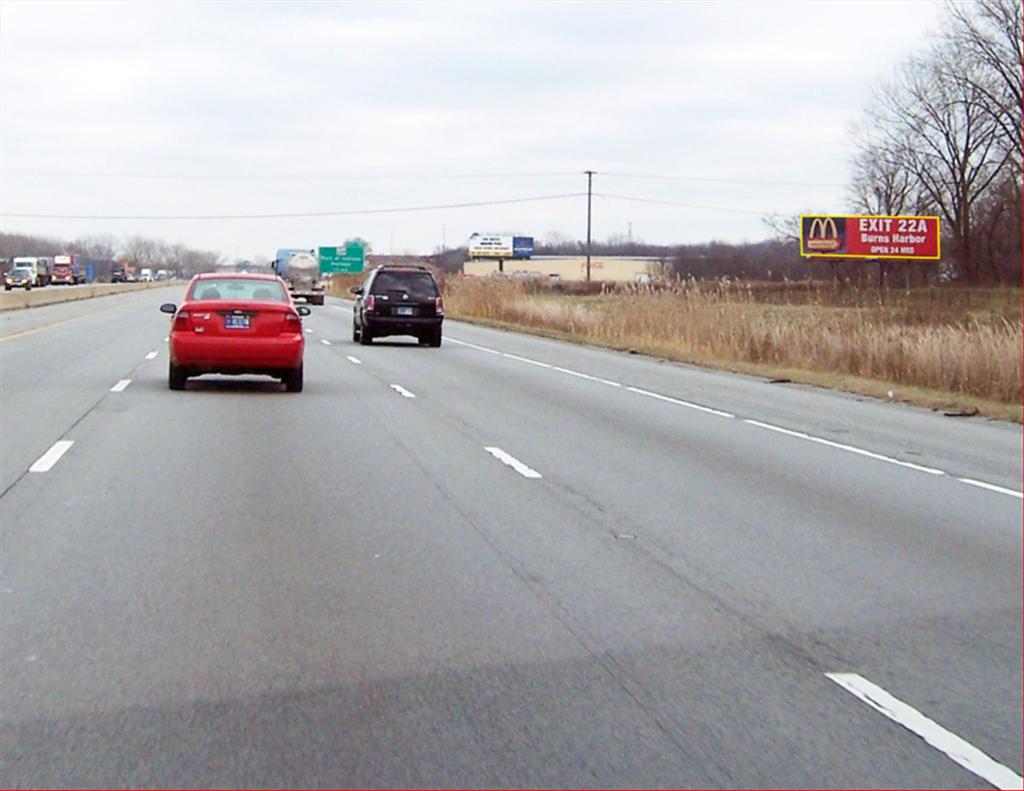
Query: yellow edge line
57	323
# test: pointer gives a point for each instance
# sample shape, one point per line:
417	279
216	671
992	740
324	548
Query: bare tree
102	247
932	120
138	251
988	34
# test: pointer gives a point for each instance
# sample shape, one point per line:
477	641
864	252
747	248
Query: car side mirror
168	307
303	310
356	290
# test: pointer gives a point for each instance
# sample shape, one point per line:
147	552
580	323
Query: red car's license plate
236	322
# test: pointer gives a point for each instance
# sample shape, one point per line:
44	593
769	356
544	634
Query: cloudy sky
736	109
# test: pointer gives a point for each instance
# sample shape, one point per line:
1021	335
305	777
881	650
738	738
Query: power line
285	176
398	177
287	215
669	177
683	205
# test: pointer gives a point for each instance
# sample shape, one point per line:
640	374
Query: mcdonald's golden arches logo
823	235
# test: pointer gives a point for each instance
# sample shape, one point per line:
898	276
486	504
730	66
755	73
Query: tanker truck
300	269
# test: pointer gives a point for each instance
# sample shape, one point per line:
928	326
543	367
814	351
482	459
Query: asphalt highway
506	562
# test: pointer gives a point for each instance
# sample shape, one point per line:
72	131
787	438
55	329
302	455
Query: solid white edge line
842	446
661	397
325	342
473	346
586	376
151	356
121	386
721	413
525	360
45	462
513	462
402	391
353	360
992	487
967	755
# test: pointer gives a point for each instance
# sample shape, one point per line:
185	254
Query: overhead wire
717	179
285	176
683	205
289	215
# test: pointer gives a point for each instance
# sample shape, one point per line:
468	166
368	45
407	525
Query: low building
608	268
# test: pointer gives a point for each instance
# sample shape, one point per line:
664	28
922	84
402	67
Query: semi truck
41	266
67	270
300	269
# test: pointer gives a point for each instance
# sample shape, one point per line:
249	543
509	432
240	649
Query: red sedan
236	324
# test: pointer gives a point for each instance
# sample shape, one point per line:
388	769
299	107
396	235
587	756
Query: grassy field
946	348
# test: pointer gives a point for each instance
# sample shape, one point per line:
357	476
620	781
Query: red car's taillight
292	323
182	321
439	306
368	303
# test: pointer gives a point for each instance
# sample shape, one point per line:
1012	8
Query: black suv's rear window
418	285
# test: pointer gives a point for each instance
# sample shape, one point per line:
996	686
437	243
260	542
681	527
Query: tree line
104	249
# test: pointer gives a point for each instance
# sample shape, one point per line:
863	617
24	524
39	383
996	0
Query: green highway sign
342	260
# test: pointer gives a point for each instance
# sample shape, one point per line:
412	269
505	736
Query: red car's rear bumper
235	355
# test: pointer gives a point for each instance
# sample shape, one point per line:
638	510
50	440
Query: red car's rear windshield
238	288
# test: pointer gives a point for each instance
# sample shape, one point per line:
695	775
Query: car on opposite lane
398	300
19	277
236	324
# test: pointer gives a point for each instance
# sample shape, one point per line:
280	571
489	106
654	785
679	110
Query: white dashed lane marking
325	342
353	360
151	356
52	456
967	755
513	462
121	386
402	391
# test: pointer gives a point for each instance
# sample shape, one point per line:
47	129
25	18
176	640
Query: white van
145	275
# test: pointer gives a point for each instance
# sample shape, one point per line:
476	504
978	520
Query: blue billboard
522	246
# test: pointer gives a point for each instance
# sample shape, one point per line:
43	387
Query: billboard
869	236
500	246
522	246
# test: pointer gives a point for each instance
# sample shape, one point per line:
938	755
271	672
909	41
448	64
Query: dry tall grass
924	339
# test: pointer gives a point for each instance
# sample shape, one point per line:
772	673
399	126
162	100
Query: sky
128	112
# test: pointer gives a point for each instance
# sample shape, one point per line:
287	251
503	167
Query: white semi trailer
300	269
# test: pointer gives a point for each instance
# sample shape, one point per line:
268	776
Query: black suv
398	300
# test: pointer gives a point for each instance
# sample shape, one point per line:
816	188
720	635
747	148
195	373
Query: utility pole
590	182
630	237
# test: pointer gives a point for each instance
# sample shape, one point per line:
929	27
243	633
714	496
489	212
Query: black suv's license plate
405	311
